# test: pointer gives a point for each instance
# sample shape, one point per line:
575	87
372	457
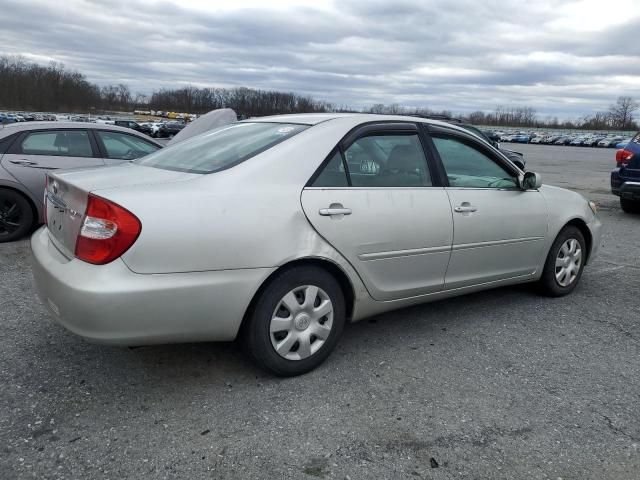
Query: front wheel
16	216
629	206
296	321
565	263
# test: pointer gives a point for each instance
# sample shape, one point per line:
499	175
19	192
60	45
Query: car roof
303	118
27	126
316	118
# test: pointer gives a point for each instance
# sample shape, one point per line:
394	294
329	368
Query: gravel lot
501	384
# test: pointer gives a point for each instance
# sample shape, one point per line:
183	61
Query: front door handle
334	209
465	207
25	163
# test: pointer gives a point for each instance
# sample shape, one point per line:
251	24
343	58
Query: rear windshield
222	147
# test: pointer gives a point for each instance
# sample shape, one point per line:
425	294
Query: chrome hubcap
568	262
301	322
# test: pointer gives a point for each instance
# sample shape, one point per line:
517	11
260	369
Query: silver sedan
278	230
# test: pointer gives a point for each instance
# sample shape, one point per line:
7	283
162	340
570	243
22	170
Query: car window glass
394	160
222	147
125	147
333	174
58	143
467	166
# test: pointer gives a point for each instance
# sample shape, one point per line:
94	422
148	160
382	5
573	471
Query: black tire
16	215
548	283
256	335
629	206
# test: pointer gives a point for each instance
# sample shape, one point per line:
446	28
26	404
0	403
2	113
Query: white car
281	229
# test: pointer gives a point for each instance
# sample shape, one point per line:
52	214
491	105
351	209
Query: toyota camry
278	230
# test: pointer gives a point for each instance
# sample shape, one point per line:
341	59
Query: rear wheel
16	216
565	263
629	206
296	322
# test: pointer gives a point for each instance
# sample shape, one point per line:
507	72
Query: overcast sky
564	58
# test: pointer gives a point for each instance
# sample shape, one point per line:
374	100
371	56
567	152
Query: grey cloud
461	55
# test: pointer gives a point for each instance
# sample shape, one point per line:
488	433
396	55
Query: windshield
221	148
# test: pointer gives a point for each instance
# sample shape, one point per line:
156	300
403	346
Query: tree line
246	102
619	116
53	88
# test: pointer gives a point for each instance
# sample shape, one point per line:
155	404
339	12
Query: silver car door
376	204
38	151
499	229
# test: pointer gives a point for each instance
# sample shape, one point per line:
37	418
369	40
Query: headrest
404	158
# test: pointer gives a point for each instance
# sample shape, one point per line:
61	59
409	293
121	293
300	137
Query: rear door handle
334	209
465	207
23	162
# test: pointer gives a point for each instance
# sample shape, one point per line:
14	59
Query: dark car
625	178
516	157
169	129
132	125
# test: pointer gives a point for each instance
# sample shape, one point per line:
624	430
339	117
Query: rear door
376	201
499	229
38	151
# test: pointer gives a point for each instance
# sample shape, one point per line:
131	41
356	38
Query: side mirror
531	181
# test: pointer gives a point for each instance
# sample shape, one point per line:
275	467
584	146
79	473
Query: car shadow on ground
225	362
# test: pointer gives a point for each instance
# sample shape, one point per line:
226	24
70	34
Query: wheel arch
581	225
27	197
329	266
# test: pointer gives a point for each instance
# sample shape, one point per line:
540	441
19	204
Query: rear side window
378	160
69	143
221	148
392	160
125	147
333	174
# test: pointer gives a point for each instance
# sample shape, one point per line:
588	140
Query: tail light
108	230
623	157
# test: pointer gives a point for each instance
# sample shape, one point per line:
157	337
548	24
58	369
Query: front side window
121	146
65	143
467	166
391	160
222	148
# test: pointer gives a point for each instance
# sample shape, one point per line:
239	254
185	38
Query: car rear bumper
630	190
111	304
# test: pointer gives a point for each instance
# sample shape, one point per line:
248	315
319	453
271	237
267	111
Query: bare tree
622	112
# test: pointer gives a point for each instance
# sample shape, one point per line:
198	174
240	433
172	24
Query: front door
38	151
499	229
375	203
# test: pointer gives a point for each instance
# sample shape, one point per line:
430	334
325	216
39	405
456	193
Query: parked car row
155	129
12	117
601	140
